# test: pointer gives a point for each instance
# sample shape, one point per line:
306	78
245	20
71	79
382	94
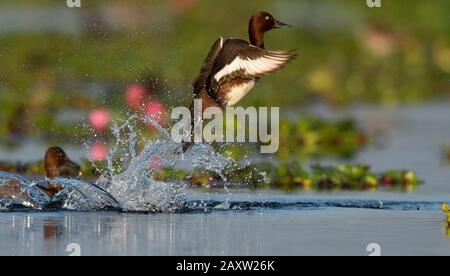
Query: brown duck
233	66
56	163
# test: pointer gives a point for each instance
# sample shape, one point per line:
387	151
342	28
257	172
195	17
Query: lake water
271	223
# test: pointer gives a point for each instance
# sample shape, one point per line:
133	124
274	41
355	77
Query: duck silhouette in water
57	164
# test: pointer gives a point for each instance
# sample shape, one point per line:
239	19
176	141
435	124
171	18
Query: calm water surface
281	232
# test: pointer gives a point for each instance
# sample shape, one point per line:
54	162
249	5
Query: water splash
83	196
127	183
17	192
79	195
130	180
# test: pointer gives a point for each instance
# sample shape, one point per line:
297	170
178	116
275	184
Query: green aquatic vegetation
287	177
30	169
311	137
343	177
291	178
317	137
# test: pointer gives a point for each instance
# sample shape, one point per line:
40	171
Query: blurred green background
57	63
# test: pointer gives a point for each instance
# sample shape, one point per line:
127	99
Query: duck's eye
267	17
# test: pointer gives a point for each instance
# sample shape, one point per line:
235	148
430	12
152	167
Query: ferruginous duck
233	66
57	164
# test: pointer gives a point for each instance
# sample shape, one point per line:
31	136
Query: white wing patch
235	94
263	65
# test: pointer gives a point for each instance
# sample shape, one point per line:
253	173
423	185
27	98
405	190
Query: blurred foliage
310	137
348	53
315	137
343	177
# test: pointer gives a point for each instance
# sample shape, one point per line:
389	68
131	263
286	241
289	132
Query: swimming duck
56	163
233	66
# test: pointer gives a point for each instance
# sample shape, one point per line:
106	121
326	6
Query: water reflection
117	234
231	233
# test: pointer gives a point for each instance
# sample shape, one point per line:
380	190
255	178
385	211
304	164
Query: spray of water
18	192
130	180
79	195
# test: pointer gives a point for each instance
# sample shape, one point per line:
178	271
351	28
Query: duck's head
260	23
58	164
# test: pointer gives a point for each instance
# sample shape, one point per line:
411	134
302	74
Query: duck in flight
234	66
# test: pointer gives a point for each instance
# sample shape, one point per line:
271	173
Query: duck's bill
279	24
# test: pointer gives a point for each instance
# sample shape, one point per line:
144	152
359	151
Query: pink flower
136	96
156	111
381	42
98	152
99	119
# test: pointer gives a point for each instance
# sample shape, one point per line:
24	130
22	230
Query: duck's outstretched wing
208	66
239	59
